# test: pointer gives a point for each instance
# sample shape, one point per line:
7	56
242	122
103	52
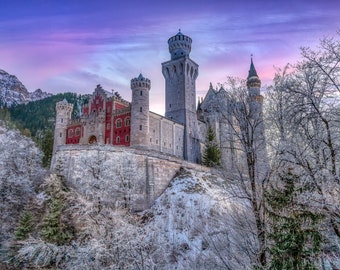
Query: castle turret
253	81
180	75
140	111
254	90
63	116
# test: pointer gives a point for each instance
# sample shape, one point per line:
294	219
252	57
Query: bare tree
251	170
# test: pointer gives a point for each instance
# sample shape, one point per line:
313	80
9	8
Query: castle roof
253	78
252	70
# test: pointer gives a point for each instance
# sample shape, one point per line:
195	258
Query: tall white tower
254	91
180	75
140	111
255	110
63	116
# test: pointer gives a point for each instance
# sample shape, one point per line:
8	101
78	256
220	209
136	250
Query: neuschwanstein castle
108	119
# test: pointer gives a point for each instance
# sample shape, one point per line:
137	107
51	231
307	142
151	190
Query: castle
108	119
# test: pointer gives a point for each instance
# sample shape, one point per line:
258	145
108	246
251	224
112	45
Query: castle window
150	139
119	123
78	131
61	135
141	93
61	120
118	139
108	126
127	138
127	121
170	105
156	141
70	133
140	109
140	127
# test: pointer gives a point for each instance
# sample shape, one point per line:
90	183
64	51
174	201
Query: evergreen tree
25	226
212	154
53	228
47	147
294	227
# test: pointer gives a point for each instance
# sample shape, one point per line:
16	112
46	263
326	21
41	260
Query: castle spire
252	70
253	79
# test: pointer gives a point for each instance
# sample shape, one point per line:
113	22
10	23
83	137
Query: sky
73	45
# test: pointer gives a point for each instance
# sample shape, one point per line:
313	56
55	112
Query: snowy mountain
12	91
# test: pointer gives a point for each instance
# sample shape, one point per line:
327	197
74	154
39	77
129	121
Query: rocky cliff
12	91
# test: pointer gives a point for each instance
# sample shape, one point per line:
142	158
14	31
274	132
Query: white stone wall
165	135
118	175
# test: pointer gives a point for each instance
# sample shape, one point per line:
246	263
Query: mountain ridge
14	92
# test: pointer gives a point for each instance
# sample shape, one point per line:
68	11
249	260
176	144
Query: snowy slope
199	224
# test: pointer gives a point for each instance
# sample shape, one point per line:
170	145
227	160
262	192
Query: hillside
40	114
191	223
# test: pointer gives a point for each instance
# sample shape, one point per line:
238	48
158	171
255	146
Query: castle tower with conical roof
140	111
256	114
180	75
254	91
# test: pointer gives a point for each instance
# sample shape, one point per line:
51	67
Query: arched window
70	133
92	139
118	139
127	138
119	123
78	131
127	121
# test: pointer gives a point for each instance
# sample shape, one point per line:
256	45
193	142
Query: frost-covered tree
20	175
212	153
303	114
251	168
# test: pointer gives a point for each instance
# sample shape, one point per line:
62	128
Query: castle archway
92	139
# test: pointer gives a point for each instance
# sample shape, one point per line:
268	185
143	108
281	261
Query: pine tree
25	226
294	227
53	228
47	147
212	154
